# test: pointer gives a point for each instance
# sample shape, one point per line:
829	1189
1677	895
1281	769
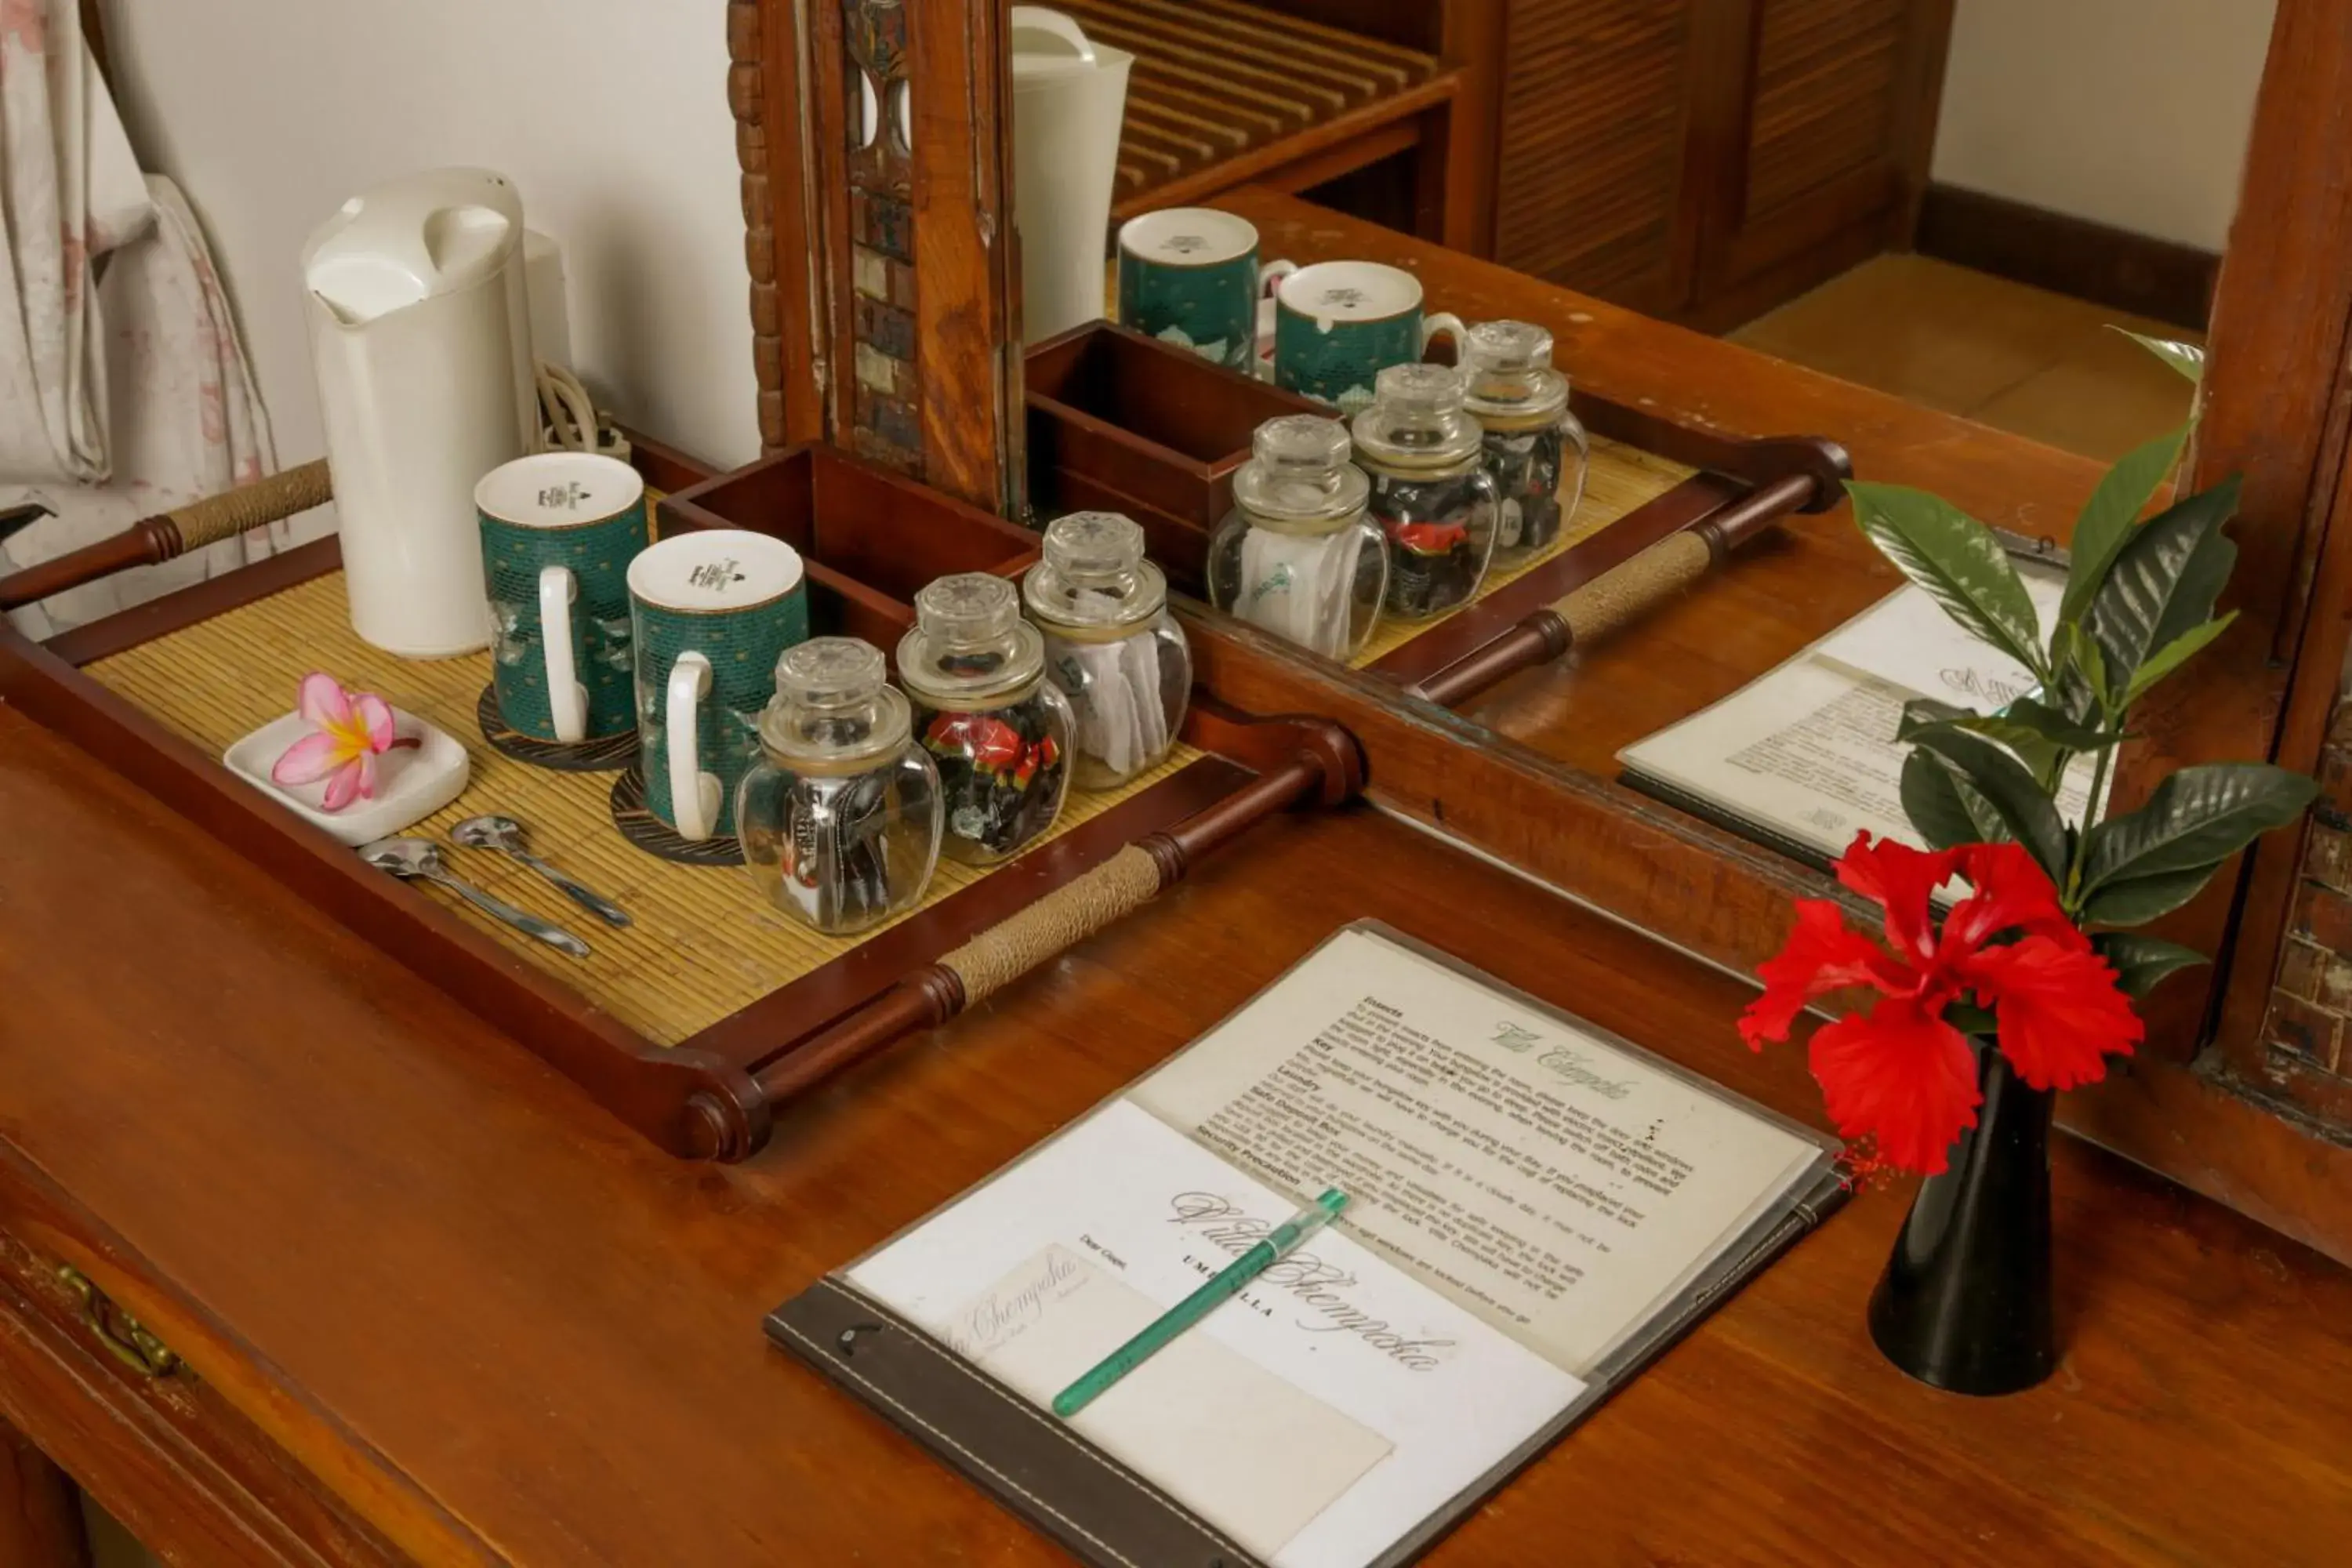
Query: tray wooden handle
167	534
1623	593
1325	768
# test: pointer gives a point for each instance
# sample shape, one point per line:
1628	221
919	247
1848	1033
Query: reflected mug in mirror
1190	277
559	531
1337	325
714	610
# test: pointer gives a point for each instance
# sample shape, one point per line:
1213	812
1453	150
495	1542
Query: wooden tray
869	537
153	693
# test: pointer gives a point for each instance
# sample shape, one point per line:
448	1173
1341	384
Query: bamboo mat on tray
705	943
1621	480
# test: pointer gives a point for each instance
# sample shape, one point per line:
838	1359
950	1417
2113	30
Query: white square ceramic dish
412	783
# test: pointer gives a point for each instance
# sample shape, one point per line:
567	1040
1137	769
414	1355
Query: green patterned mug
715	609
559	531
1189	276
1337	325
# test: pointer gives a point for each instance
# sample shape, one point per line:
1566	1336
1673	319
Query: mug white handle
1272	274
1045	19
693	793
1444	321
567	700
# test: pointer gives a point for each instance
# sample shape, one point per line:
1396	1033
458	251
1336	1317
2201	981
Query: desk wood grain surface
503	1329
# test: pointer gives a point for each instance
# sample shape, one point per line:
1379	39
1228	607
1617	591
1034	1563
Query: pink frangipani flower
352	730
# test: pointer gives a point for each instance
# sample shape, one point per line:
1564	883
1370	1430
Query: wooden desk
433	1306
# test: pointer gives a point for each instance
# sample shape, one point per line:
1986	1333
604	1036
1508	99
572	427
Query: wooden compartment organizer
670	1022
869	537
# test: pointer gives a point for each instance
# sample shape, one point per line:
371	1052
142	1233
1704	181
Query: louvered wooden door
1598	108
1832	145
1703	159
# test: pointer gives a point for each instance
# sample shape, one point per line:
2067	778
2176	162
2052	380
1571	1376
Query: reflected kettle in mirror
1190	278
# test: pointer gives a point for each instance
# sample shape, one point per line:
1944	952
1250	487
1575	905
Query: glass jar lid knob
968	610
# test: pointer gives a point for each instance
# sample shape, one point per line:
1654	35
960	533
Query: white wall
2133	113
610	115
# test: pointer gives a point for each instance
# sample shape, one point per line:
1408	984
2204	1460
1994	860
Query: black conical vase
1964	1304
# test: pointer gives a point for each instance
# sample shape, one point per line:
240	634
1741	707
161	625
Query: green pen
1281	1240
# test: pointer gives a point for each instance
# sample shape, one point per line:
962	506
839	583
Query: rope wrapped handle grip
160	538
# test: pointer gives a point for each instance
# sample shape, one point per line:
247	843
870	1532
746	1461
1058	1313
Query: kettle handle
1044	19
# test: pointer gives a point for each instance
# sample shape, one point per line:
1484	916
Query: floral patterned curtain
124	388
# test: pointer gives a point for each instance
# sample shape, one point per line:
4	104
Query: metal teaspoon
495	832
413	859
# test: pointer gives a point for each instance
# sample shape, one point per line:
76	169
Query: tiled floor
2019	358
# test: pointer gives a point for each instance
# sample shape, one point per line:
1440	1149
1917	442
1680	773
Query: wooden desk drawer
108	1399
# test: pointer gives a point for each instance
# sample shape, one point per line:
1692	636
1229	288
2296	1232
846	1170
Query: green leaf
2164	582
2107	518
2188	359
2078	675
2042	737
2138	899
2141	960
2025	809
1944	809
2033	714
2174	654
2195	819
1958	562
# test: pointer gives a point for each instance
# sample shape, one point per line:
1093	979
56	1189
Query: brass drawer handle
125	1337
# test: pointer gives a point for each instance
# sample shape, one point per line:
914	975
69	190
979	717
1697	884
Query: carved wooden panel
2303	1058
874	199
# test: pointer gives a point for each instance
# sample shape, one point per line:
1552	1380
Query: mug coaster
654	837
582	757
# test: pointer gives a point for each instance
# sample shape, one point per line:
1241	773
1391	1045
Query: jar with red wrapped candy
1432	495
998	731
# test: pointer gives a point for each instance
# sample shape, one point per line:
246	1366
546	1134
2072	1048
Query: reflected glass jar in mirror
1430	493
1299	554
1536	451
840	818
1111	646
998	731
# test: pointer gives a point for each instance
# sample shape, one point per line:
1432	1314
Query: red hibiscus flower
1901	1071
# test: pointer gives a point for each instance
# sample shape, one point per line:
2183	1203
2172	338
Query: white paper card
1230	1438
1562	1189
1158	1213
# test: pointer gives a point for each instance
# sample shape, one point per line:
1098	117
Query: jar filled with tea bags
1298	554
1110	646
1430	493
999	731
1536	451
840	818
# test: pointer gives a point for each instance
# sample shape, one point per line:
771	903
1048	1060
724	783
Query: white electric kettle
420	333
1069	100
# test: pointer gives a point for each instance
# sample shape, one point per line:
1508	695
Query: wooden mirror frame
2204	1103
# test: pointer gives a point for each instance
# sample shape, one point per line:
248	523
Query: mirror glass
1872	222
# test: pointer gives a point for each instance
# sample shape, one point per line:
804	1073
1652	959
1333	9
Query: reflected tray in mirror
1122	422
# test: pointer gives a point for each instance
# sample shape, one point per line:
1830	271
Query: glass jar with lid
840	817
999	731
1536	451
1298	554
1110	646
1431	492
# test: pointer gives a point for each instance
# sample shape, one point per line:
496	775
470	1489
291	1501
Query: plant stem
2083	839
